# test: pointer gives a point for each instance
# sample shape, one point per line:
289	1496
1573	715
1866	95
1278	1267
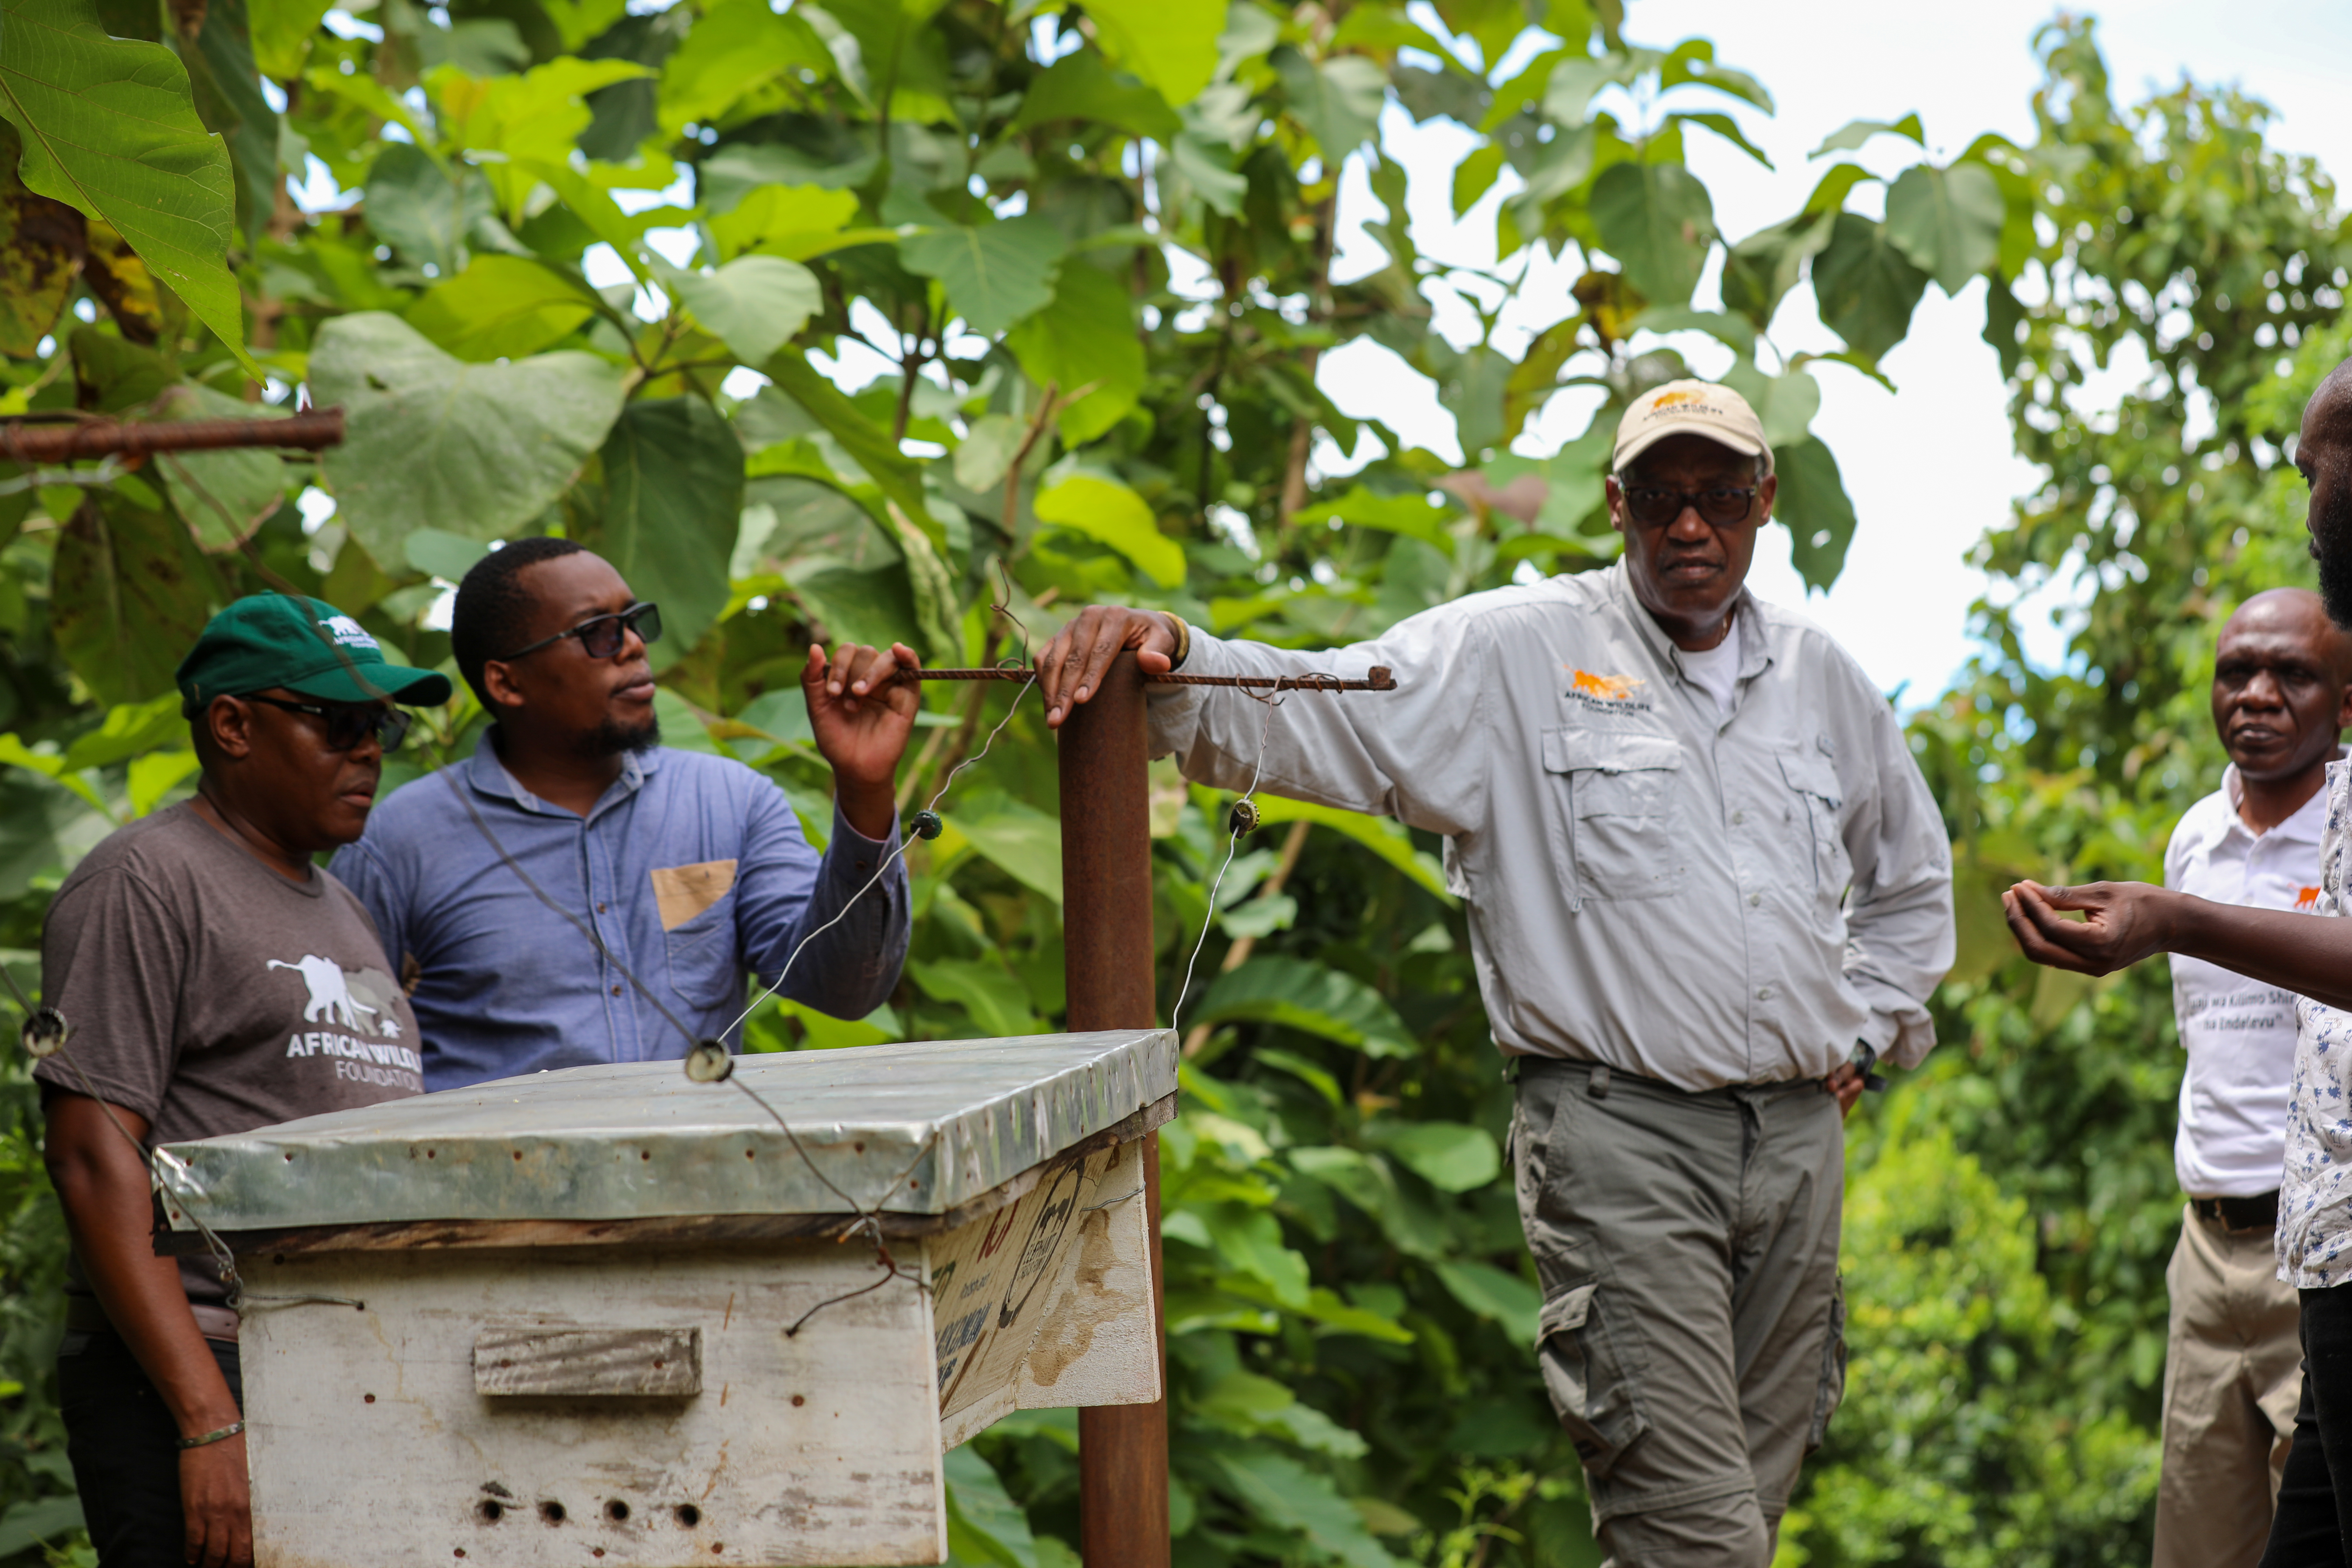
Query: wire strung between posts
1244	817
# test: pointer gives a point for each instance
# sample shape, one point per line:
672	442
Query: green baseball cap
304	646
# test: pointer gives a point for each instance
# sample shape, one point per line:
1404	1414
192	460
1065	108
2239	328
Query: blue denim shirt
694	870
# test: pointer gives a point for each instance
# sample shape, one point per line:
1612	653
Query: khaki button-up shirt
1695	898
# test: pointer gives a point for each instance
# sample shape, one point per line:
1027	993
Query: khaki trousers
1691	1337
2232	1373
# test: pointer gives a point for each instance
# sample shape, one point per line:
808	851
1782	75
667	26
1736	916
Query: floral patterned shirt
2314	1231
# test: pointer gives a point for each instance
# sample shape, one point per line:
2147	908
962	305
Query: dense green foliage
1073	270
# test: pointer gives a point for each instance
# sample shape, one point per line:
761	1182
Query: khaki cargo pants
1693	1333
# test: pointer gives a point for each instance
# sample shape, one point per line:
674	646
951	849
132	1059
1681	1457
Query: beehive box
608	1318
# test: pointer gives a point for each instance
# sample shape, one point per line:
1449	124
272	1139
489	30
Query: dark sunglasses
1718	505
602	637
348	723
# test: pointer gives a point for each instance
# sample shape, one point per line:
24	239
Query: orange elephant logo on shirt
2306	899
1608	688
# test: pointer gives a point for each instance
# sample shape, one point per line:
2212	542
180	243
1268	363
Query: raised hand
861	713
1071	667
2122	922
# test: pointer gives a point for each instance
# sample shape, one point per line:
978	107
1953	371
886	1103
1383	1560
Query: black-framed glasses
604	636
1652	506
348	723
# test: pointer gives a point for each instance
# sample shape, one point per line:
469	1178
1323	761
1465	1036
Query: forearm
2298	952
102	1184
856	933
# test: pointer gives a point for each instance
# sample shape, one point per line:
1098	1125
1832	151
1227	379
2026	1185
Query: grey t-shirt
212	995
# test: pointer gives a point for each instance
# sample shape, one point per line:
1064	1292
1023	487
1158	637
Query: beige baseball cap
1690	408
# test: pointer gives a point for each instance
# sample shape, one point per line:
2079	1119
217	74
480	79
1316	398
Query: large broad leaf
527	120
791	221
847	605
1813	503
226	87
753	304
1866	288
1085	341
1758	271
1338	101
1302	996
1079	87
1385	836
1019	841
1656	220
986	1528
1110	513
673	496
1171	43
1946	222
480	449
1505	1299
281	31
224	495
735	47
995	273
987	991
1451	1156
110	129
1785	404
502	307
127	595
1410	514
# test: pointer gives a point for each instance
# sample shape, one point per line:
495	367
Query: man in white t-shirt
2233	1369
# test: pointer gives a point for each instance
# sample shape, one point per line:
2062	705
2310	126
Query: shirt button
1739	818
1754	899
1763	993
600	908
617	990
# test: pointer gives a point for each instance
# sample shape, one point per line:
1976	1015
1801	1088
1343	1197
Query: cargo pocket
1816	834
1615	796
1588	1379
1832	1391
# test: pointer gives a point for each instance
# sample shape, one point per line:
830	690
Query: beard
612	739
2331	548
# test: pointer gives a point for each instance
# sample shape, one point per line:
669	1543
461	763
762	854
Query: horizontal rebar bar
25	442
1377	679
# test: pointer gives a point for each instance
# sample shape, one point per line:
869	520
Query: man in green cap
213	979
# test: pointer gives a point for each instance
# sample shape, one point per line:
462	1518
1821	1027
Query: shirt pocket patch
682	892
1616	796
1817	830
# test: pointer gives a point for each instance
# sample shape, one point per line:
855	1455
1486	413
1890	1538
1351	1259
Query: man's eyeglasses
1718	505
348	723
602	637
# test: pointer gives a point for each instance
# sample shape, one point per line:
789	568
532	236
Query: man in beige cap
1703	873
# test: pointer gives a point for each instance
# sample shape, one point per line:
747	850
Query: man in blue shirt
576	893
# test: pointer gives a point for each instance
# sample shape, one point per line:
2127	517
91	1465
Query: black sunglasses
349	724
1718	505
602	637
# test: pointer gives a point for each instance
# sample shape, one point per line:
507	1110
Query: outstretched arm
2125	921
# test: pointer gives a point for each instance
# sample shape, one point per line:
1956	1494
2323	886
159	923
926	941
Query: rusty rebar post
1107	961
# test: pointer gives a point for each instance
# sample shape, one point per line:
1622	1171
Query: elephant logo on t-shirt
331	993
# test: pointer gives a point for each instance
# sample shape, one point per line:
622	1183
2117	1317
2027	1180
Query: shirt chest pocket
1817	835
1615	812
697	915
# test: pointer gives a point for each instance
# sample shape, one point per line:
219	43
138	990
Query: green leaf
1784	404
1209	170
438	552
223	495
578	21
1085	338
1505	1299
1723	125
1947	221
129	593
281	31
1338	101
997	1001
1248	1405
502	307
425	210
796	222
673	494
527	120
1249	1240
1813	503
1017	838
754	304
1853	134
1288	1494
1110	513
1656	220
1866	288
35	1519
734	49
1451	1156
109	128
432	441
1080	87
995	273
2003	316
986	1528
1382	836
1171	43
1299	995
899	477
128	730
226	88
1758	272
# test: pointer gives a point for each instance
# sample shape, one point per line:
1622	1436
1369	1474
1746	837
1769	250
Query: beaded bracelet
231	1430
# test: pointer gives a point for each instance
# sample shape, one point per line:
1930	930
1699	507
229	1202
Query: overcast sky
1929	467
